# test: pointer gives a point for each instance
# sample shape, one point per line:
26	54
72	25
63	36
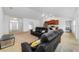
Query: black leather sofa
39	31
49	42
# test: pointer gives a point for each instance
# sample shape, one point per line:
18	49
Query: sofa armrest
26	47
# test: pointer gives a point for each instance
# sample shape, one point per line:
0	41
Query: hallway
68	43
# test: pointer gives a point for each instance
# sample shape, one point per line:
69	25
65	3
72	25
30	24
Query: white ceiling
36	12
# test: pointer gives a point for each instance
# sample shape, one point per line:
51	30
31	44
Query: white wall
75	25
27	21
6	24
77	28
1	22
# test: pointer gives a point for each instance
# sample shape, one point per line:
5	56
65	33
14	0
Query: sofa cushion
7	36
41	47
50	35
60	31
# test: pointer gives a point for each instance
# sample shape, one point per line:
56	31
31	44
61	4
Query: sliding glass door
16	25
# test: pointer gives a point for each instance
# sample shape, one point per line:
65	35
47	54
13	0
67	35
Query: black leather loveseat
49	42
39	31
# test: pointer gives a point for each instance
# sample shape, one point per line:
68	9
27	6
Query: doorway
15	25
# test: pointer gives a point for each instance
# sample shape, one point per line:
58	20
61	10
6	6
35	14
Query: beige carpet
68	43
